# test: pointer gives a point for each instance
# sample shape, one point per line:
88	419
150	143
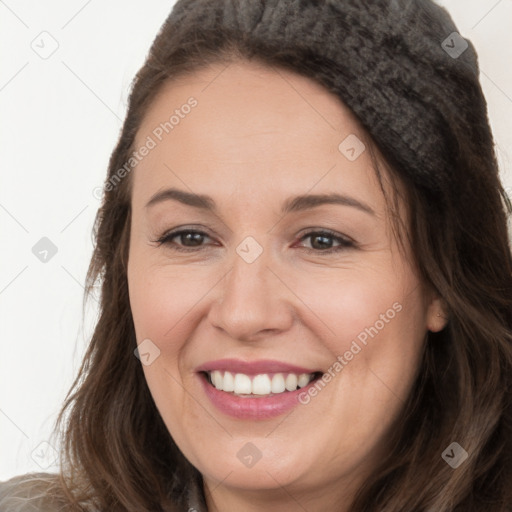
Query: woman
306	274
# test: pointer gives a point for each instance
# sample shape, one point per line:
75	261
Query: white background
61	117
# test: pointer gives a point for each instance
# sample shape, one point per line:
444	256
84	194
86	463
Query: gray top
29	493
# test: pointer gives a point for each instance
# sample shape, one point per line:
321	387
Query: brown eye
323	242
188	240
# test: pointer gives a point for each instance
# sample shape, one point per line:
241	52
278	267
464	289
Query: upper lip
253	367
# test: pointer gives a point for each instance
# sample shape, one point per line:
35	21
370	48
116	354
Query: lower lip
260	408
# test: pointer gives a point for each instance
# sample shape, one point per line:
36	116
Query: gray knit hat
399	65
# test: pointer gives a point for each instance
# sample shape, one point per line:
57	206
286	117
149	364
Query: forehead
246	127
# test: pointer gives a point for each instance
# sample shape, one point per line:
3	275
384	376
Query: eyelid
171	233
327	231
345	242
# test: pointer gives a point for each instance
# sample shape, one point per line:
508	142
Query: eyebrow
292	204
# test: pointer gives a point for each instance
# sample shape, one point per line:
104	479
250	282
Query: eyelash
345	243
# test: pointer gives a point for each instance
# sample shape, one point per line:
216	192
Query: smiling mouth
261	385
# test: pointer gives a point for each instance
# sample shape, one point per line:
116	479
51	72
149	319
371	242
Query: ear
437	313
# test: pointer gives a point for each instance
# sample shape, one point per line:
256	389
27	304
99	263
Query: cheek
375	329
358	303
164	300
161	297
373	323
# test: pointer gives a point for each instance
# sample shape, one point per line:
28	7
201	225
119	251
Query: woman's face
263	300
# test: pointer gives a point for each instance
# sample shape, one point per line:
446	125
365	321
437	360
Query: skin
257	137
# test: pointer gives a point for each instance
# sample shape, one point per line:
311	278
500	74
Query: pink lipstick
260	389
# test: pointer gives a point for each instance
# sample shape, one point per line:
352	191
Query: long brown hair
117	453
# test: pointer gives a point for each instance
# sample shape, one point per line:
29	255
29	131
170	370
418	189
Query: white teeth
278	383
243	384
303	380
262	384
217	379
229	382
291	382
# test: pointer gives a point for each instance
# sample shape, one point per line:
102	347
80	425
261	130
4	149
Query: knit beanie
400	65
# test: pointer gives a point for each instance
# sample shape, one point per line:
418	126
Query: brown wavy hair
424	113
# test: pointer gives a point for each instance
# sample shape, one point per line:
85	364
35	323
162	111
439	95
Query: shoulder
29	493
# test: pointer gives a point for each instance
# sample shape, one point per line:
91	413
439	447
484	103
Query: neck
336	497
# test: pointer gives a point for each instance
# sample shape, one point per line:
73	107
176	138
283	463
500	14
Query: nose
252	302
